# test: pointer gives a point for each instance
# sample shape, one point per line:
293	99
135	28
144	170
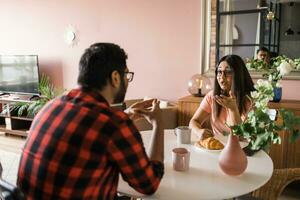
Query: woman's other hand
227	102
206	134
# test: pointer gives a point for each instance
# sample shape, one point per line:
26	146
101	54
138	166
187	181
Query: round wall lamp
70	35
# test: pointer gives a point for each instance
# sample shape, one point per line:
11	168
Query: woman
229	102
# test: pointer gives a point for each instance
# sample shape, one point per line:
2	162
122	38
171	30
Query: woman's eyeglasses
129	76
226	73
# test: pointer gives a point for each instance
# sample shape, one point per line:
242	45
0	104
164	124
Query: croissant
211	143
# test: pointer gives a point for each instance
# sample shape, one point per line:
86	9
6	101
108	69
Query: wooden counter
285	155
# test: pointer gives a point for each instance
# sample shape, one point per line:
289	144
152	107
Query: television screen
19	74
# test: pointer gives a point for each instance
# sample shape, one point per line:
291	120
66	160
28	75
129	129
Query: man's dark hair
242	83
98	62
262	49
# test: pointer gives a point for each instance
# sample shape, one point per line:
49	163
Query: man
78	144
263	54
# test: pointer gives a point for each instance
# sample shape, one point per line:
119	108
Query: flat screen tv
19	74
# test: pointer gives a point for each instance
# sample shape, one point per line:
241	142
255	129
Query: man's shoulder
98	109
118	115
113	114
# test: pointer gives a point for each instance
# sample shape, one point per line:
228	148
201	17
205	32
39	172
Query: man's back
76	148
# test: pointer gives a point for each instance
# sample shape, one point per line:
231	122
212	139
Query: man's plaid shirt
76	148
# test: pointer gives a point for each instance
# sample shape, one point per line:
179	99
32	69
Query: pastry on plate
211	144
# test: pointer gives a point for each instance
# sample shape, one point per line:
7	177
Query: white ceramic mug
183	134
180	159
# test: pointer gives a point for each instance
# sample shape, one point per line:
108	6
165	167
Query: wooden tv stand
13	125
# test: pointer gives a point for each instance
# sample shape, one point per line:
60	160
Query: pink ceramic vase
233	161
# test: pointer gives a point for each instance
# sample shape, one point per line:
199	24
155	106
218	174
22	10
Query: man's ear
115	79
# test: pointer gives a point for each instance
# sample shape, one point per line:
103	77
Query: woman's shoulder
210	94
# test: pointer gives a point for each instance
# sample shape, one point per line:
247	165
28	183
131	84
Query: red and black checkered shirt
76	148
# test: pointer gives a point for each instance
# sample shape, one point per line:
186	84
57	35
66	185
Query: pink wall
161	37
291	89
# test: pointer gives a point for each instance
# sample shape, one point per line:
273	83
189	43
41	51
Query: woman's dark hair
242	83
98	62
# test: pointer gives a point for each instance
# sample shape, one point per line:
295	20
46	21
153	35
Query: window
243	26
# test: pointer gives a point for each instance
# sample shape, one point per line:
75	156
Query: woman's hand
206	134
227	102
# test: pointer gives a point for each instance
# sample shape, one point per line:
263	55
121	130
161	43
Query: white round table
204	179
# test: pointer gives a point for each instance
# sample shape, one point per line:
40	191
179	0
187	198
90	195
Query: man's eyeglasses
227	72
129	76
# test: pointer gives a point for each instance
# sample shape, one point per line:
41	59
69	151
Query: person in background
263	54
78	145
272	55
228	103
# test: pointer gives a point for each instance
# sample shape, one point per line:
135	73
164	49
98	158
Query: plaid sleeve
127	151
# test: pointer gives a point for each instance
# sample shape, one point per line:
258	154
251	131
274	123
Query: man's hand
152	114
132	110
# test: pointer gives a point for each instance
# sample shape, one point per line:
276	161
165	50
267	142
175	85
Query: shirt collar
88	94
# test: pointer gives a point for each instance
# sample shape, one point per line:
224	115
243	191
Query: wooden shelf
16	117
13	125
2	127
21	132
21	118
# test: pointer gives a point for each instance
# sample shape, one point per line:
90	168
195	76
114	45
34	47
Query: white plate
199	147
223	140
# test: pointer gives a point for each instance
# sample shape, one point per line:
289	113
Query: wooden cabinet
186	109
285	155
11	124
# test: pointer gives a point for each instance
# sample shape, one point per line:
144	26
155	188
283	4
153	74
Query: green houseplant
259	129
47	92
274	71
279	66
297	63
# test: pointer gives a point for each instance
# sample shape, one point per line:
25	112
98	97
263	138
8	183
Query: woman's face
224	76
